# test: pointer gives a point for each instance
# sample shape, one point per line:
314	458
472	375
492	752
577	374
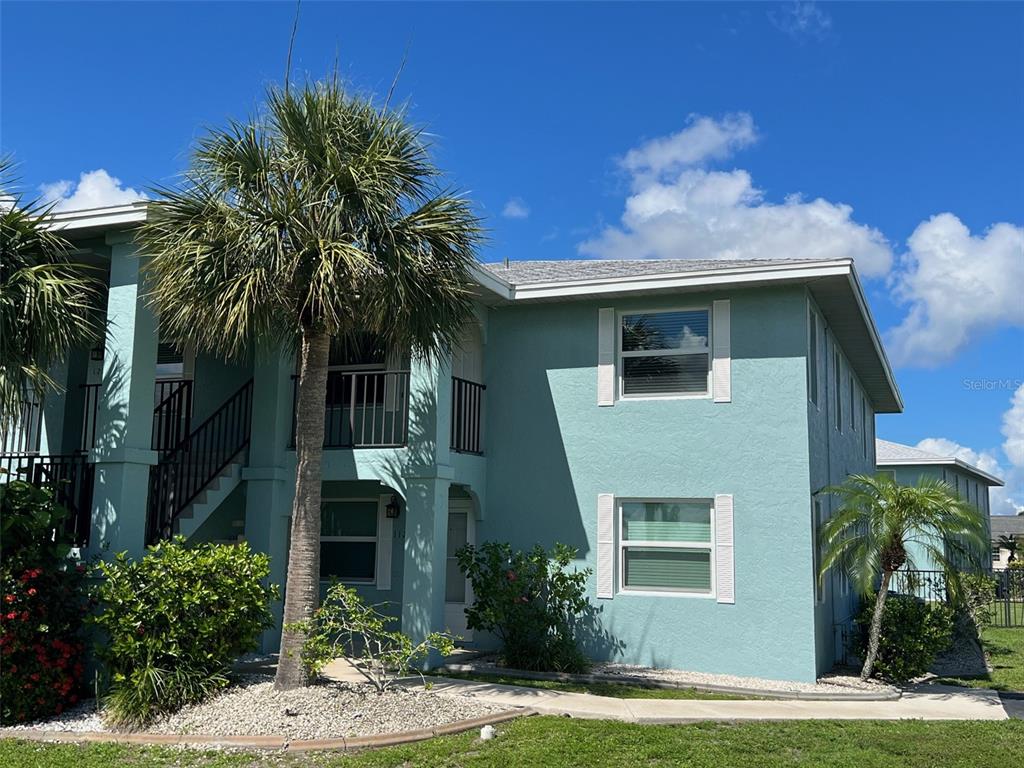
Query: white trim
605	546
720	344
992	480
607	328
724	512
673	352
621	545
90	218
710	277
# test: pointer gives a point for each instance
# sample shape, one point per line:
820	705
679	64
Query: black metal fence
366	409
90	415
26	436
1006	609
172	415
69	477
467	412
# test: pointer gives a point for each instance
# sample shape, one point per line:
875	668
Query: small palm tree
46	301
1010	544
868	537
321	217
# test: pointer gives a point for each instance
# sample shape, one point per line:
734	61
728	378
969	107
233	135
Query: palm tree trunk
876	626
302	589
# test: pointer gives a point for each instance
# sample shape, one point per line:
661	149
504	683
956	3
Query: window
665	353
348	540
839	390
816	532
864	425
170	361
812	357
666	546
853	421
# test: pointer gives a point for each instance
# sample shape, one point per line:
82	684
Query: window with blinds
665	353
666	546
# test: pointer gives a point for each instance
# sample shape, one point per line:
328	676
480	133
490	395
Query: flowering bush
40	609
530	600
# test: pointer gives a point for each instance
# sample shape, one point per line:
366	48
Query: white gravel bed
833	684
321	711
325	710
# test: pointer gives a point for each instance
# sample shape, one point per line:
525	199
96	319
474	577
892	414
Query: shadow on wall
594	638
110	433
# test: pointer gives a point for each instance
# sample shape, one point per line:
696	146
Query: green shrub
41	609
175	620
530	600
913	634
977	592
345	626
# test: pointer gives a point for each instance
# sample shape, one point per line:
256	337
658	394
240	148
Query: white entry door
457	591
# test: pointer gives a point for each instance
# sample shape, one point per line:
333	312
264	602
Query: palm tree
46	301
1010	544
320	217
868	537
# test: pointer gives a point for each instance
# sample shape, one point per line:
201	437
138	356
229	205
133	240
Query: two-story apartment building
675	421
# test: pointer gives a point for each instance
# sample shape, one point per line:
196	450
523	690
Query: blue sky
691	130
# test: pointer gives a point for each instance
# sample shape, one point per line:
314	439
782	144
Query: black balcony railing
172	415
90	415
26	437
68	477
467	416
364	409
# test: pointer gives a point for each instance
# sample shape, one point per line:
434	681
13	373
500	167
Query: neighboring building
1001	526
675	421
907	465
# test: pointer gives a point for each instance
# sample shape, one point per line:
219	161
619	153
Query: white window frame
619	354
358	539
622	545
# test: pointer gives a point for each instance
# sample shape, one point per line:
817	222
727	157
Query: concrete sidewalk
931	703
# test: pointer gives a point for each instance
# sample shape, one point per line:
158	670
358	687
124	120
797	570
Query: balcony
364	409
68	477
467	421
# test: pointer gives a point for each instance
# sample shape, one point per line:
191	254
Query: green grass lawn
1005	649
558	741
614	690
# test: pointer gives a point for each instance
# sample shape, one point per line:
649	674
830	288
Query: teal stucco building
675	421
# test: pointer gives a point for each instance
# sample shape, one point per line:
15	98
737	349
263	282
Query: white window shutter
721	365
384	542
725	567
605	545
606	356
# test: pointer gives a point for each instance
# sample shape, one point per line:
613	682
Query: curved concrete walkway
922	703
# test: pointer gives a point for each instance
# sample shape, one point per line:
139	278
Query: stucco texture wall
552	450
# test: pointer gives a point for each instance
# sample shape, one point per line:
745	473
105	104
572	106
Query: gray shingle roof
1004	525
526	272
887	451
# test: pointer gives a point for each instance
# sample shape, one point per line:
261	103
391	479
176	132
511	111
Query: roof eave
950	461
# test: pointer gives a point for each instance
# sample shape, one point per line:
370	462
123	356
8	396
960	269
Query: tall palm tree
868	537
320	217
46	301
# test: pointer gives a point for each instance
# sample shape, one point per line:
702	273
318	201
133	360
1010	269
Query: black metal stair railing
172	414
185	471
69	477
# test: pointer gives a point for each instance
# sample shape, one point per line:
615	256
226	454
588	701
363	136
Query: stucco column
428	477
270	485
426	543
123	454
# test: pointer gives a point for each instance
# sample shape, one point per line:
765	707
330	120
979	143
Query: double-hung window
665	353
349	539
666	546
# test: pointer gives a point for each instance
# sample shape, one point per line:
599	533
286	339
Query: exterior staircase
193	477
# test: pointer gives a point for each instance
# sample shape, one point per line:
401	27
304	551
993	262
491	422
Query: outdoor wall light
393	507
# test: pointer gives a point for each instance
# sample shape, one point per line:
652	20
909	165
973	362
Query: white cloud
1008	500
703	138
676	210
515	208
957	285
802	20
94	189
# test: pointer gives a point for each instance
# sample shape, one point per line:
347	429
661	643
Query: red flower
12	616
32	591
10	598
24	615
